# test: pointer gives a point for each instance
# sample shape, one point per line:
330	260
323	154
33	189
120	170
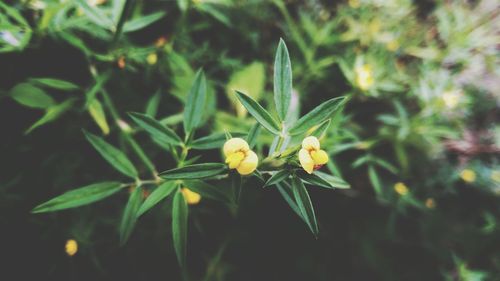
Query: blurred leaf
195	171
96	111
195	102
95	15
323	180
179	226
79	197
213	141
31	96
250	80
317	115
278	177
52	114
161	192
215	12
155	128
55	83
282	80
153	104
208	190
374	179
305	205
129	217
139	23
111	154
183	5
259	113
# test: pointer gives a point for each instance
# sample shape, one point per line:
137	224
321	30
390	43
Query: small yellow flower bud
311	157
430	203
152	58
468	175
239	156
71	247
364	77
401	188
192	198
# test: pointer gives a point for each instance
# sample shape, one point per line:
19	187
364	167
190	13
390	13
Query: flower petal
320	157
191	196
234	159
306	160
310	143
249	164
235	144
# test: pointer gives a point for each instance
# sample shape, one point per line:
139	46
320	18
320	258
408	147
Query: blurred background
419	140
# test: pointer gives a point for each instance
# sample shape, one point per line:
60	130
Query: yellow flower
354	3
392	45
311	157
239	156
152	58
401	188
71	247
364	76
192	198
430	203
495	176
468	175
451	99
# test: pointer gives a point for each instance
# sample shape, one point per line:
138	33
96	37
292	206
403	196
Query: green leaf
317	115
153	104
97	112
195	171
139	23
31	96
111	154
305	205
207	190
129	217
55	83
195	102
278	177
213	141
334	181
52	114
282	80
253	135
259	113
155	128
79	197
236	184
179	226
161	192
95	15
320	130
374	179
251	80
286	193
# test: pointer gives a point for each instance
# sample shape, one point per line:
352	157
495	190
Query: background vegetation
418	141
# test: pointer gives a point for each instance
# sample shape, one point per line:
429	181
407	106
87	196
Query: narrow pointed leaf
160	193
179	226
334	181
111	154
139	23
55	83
213	141
129	217
320	131
195	102
155	128
259	113
236	184
195	171
282	80
305	205
79	197
317	115
278	177
97	113
286	193
253	134
52	114
210	191
31	96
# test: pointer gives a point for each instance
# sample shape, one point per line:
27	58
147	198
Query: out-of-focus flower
430	203
311	157
401	188
161	41
392	45
451	99
121	62
364	77
468	175
354	4
152	58
71	247
239	156
192	198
